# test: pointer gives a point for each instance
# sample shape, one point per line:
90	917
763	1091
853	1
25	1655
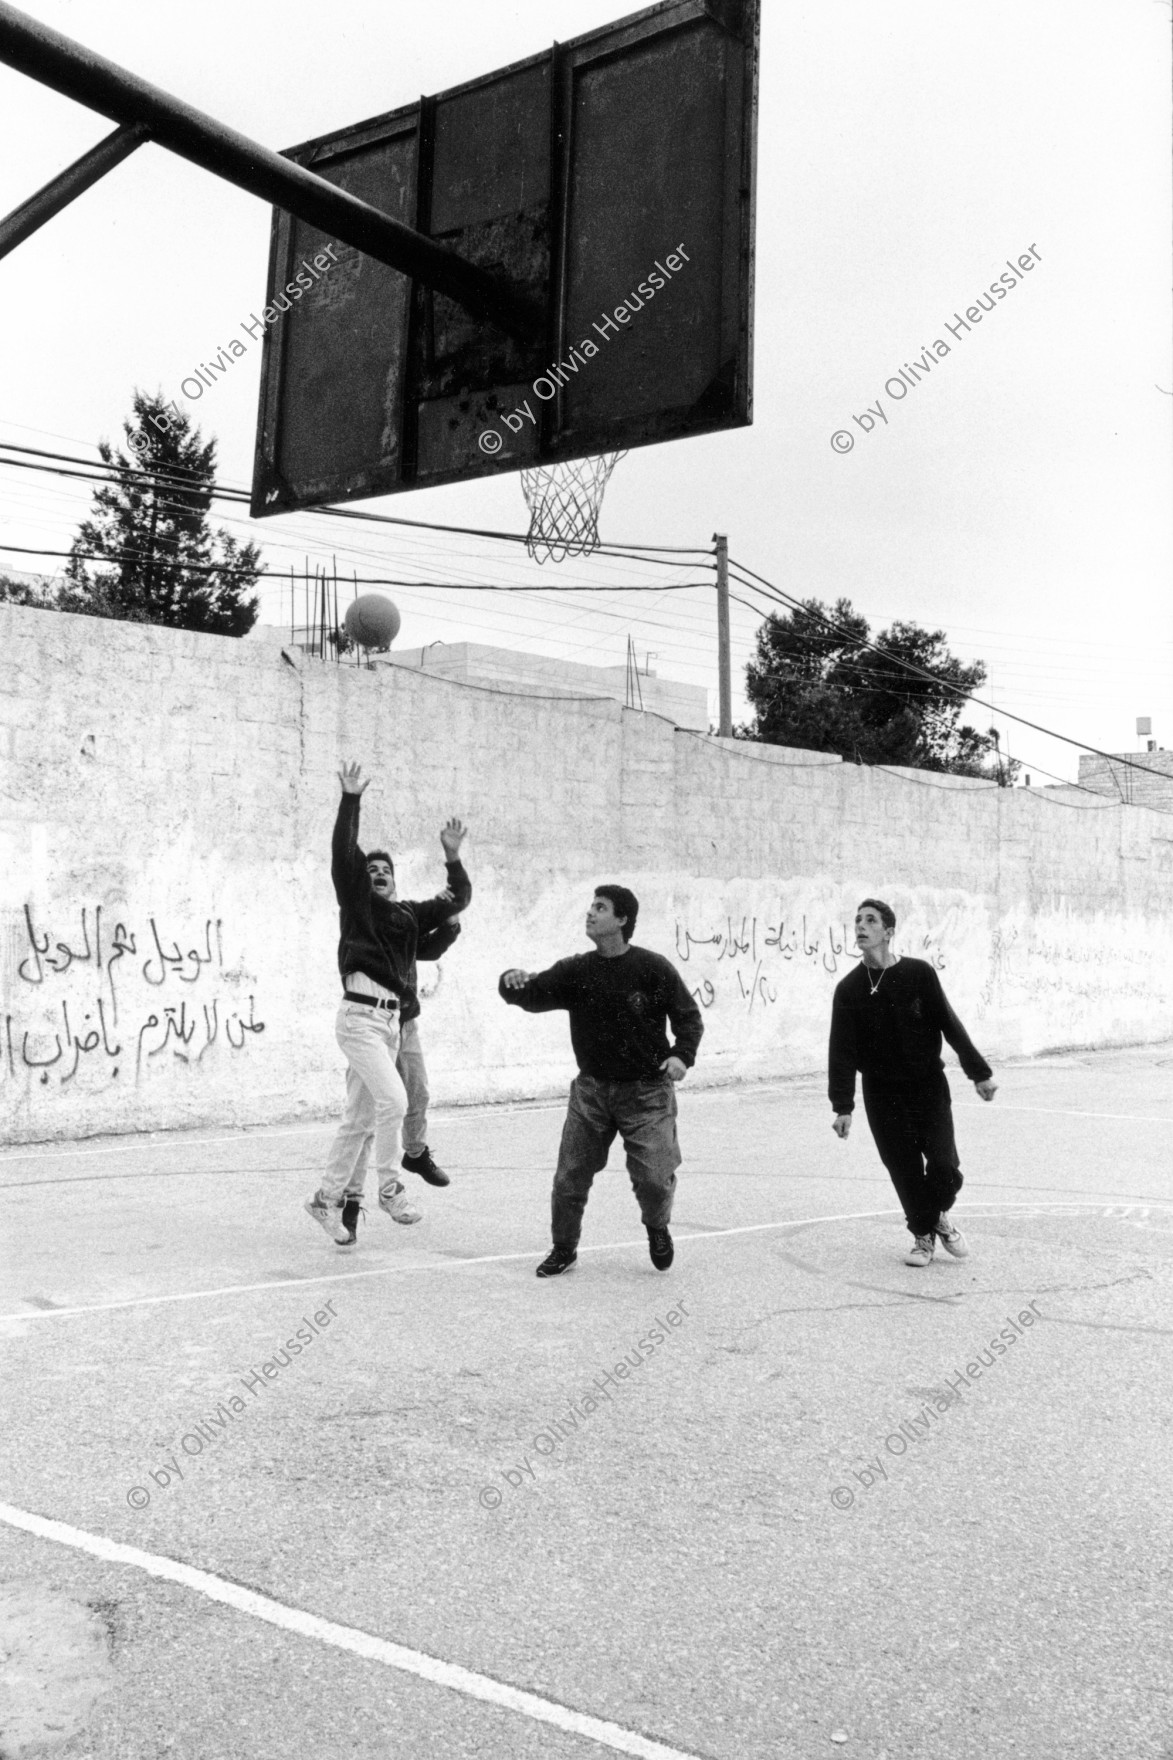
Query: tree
151	524
27	590
815	682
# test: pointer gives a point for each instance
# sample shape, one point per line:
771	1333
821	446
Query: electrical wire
768	589
175	479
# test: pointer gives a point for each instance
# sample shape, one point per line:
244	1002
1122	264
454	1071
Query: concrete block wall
168	930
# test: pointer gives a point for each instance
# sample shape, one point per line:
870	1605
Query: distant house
685	705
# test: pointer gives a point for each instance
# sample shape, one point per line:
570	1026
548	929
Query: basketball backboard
610	179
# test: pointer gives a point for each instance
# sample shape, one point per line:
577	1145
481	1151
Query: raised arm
456	895
348	865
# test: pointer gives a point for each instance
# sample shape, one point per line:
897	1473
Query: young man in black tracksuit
377	949
888	1018
619	998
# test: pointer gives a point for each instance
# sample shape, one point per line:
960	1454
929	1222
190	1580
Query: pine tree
151	524
816	681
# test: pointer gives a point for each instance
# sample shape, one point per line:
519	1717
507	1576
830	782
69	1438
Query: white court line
364	1644
348	1638
244	1289
712	1234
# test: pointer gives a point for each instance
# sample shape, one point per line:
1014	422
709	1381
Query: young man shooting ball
378	943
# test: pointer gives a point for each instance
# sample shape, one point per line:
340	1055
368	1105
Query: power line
175	477
768	589
162	557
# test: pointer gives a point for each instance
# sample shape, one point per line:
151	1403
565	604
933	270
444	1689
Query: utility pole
724	684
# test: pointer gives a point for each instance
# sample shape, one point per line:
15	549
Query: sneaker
394	1202
351	1211
921	1251
560	1259
425	1167
951	1238
326	1215
660	1247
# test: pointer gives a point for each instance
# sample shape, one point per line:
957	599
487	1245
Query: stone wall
168	929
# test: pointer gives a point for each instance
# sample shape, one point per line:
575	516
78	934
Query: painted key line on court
363	1645
1102	1207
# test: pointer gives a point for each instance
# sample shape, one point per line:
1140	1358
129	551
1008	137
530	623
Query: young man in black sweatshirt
619	998
887	1021
377	949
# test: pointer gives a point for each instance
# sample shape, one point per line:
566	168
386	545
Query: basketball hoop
564	502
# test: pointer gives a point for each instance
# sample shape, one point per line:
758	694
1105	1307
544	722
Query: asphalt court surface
796	1528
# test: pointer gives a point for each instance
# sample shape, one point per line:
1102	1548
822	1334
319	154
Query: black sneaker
426	1168
660	1247
351	1211
560	1259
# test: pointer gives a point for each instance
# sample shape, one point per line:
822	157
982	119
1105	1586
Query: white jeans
376	1100
410	1064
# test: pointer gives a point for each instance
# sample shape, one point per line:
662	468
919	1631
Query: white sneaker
327	1215
921	1251
394	1202
951	1238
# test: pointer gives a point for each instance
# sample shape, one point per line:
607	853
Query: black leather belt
391	1004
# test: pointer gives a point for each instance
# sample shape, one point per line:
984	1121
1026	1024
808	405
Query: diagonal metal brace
67	67
71	183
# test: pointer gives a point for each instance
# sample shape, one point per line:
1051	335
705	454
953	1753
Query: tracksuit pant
912	1123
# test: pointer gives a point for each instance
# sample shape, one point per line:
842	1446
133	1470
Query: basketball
372	621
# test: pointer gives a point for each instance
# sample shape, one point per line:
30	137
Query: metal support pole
78	73
71	183
724	679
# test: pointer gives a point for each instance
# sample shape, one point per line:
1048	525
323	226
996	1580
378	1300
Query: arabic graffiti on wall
113	998
751	955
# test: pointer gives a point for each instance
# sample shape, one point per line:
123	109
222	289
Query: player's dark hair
380	855
623	903
884	911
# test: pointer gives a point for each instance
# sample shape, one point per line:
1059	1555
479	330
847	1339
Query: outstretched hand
842	1125
452	836
515	978
352	779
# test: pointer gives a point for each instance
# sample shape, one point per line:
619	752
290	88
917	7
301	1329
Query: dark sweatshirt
618	1008
381	936
894	1035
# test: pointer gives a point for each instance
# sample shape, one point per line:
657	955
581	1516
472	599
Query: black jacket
384	937
618	1008
893	1034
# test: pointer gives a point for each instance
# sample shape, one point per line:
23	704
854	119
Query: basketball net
564	502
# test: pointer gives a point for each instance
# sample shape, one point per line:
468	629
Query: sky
1020	498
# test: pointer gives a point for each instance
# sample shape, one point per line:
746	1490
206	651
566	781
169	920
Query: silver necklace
872	988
